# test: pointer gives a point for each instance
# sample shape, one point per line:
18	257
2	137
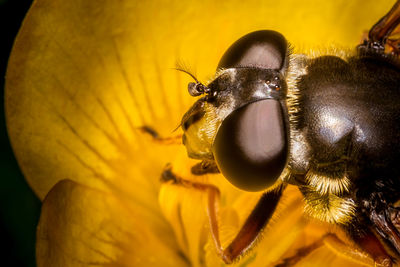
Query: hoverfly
328	124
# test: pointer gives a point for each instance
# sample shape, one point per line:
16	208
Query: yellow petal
184	209
83	75
80	226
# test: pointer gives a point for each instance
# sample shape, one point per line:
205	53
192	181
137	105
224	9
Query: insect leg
253	225
348	252
204	167
301	253
334	243
173	140
384	32
369	243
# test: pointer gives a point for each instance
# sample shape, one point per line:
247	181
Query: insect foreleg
301	254
172	140
253	225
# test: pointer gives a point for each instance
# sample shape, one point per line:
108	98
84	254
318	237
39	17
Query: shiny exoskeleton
328	124
350	120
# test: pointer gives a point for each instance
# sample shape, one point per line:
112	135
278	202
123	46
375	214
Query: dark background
19	207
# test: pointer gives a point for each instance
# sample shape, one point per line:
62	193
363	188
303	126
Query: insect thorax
344	125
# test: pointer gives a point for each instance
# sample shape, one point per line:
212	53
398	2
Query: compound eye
261	49
250	147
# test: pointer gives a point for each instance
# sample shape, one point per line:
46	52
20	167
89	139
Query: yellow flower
84	76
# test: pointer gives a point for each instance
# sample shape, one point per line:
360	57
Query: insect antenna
178	68
197	88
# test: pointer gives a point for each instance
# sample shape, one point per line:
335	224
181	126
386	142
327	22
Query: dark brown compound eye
250	147
261	49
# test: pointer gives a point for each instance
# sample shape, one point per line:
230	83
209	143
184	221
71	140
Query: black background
19	207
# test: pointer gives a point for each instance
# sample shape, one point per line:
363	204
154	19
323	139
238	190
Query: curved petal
80	226
84	75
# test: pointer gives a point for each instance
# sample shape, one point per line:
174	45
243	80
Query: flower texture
85	76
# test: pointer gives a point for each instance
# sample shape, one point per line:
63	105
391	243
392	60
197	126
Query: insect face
243	125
